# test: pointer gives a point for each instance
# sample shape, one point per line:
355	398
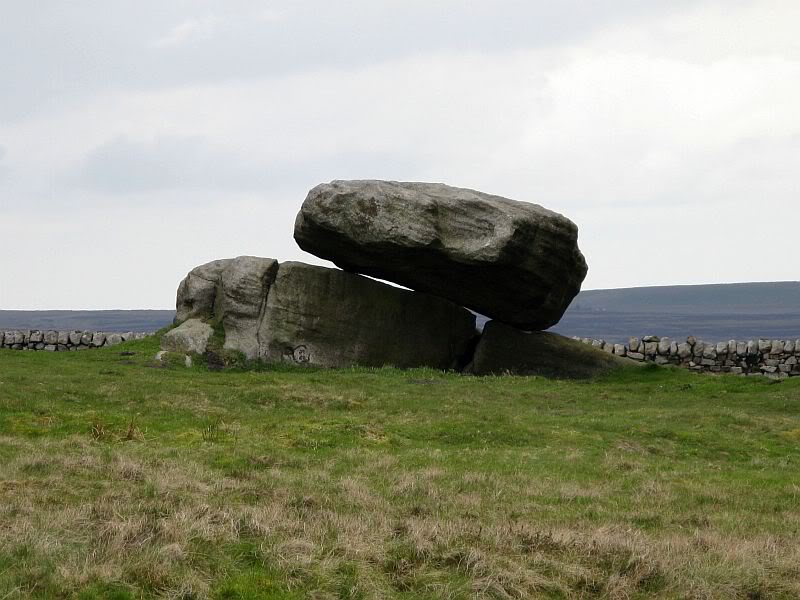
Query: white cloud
672	140
189	30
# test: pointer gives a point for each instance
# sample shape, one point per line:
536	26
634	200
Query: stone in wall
773	358
63	341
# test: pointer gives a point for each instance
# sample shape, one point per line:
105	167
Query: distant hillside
728	297
88	320
712	312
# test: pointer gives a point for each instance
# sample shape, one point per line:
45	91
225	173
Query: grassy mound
121	478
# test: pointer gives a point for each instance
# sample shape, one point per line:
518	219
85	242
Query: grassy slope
120	480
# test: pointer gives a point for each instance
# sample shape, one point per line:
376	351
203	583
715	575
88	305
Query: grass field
119	479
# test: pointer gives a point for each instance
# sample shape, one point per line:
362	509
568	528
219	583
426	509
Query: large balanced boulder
503	349
308	315
512	261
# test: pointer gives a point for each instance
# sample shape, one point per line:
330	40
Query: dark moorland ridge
712	312
87	320
719	312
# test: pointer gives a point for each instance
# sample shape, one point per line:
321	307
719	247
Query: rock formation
197	292
513	261
516	262
191	336
303	314
239	303
503	349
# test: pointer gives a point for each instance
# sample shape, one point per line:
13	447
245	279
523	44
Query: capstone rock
512	261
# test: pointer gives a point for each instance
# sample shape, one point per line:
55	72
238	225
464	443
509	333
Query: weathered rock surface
232	292
197	292
504	349
513	261
309	315
190	336
331	318
243	288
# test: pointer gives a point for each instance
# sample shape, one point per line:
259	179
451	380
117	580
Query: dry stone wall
63	341
763	357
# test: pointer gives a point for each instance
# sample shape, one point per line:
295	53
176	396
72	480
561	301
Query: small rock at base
190	336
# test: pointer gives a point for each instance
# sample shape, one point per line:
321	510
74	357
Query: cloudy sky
139	139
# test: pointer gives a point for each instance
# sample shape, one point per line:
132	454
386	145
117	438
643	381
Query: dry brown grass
176	483
151	519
